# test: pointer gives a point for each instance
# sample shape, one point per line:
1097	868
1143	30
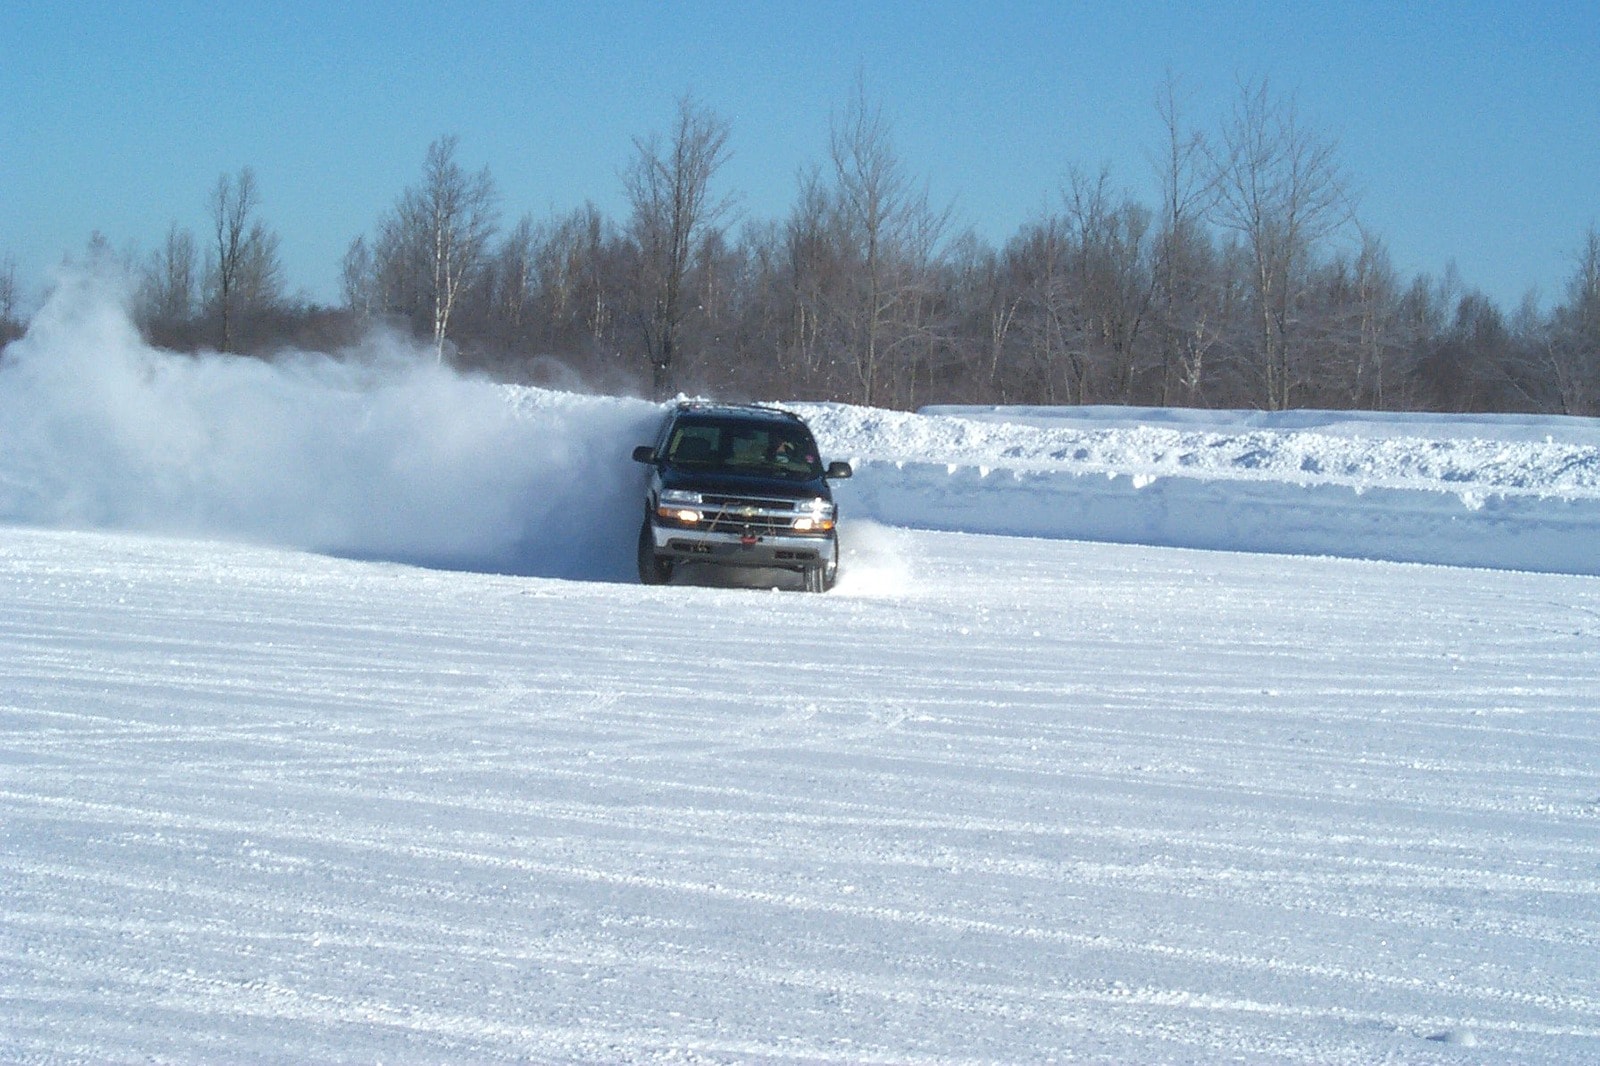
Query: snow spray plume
375	452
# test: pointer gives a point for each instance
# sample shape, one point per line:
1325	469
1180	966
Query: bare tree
1282	190
173	275
891	234
577	278
1049	360
983	309
1366	313
358	279
259	286
436	242
168	290
244	274
1464	366
399	273
1377	298
1572	347
674	211
1115	282
516	275
811	271
1185	316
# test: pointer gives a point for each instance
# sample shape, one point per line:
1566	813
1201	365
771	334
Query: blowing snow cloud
374	452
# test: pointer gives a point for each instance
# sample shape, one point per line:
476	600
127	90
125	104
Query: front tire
821	578
653	570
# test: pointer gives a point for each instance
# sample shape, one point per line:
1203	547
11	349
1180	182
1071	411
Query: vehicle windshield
776	449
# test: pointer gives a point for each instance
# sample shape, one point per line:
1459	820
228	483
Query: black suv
738	486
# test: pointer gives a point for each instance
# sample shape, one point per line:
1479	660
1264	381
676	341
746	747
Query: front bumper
734	549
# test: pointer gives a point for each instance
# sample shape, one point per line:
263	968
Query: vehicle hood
725	484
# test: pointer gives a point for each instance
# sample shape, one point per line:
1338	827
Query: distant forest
1251	283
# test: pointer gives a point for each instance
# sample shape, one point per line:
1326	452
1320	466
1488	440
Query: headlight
816	516
679	505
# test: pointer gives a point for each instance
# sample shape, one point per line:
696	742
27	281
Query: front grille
746	514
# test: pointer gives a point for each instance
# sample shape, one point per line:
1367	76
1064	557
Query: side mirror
644	453
838	470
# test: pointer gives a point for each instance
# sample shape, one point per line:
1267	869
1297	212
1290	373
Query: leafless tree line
223	292
1251	283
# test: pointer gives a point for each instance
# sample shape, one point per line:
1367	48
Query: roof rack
769	409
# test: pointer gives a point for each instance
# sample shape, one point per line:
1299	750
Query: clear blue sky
1471	129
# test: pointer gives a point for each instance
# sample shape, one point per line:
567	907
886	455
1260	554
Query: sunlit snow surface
271	791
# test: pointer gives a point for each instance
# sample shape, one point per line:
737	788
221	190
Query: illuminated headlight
679	505
816	516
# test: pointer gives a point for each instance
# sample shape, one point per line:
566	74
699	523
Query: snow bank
1401	525
1505	492
376	452
1365	425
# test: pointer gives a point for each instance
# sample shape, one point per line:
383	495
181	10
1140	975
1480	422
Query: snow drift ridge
1505	492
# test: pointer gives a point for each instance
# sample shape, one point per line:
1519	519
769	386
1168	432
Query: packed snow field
335	730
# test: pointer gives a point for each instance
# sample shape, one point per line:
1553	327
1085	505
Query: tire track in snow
525	789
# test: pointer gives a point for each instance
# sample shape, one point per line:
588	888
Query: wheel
821	578
652	569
